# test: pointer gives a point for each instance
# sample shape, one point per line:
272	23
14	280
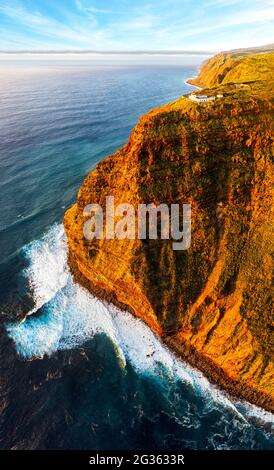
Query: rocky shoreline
211	305
182	350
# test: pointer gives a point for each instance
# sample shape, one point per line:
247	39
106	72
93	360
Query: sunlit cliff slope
239	66
212	302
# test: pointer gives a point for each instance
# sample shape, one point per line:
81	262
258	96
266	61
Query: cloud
197	28
91	9
75	32
165	24
139	23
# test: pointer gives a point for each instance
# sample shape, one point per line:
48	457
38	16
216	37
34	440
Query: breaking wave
66	316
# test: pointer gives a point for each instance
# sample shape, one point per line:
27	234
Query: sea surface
78	373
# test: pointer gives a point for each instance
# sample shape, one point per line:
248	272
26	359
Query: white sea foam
47	272
71	316
192	86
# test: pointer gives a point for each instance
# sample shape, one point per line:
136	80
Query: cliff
239	66
212	302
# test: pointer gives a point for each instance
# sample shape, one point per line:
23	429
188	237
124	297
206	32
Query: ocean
78	373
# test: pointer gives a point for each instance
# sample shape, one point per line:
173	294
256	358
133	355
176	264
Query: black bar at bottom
137	459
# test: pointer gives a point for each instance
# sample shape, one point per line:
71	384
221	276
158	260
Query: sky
135	25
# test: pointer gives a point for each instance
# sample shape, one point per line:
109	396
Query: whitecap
69	316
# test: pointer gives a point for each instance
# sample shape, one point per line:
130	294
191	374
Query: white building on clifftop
203	98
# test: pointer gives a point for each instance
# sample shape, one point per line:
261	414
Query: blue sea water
75	374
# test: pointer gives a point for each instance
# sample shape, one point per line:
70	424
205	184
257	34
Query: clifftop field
239	66
211	303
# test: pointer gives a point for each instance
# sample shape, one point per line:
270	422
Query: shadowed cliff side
212	302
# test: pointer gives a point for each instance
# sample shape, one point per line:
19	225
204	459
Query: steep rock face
235	67
212	302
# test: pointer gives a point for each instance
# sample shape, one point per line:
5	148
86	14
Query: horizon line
111	52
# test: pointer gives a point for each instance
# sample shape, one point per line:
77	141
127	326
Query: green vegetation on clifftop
212	303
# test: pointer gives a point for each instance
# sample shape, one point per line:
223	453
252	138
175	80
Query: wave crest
69	316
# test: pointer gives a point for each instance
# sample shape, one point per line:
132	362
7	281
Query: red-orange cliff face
212	302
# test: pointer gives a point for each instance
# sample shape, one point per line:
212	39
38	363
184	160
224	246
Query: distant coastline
187	82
